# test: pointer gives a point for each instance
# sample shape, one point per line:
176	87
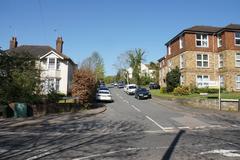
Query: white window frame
220	61
202	40
222	81
48	64
58	64
202	60
203	82
180	42
219	40
237	81
57	84
169	65
169	50
182	61
237	60
182	80
236	38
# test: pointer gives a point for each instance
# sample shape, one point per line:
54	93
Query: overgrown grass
225	95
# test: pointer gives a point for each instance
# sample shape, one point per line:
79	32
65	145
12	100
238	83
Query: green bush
173	79
54	96
163	90
208	90
181	90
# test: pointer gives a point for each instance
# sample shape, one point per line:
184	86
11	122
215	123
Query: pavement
126	129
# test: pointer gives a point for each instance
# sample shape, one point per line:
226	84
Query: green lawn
230	95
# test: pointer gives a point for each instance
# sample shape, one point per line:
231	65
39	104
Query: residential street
129	129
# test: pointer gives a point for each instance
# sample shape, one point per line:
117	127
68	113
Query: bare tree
96	64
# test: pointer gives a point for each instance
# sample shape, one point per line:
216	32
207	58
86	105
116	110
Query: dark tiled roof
208	29
232	26
34	50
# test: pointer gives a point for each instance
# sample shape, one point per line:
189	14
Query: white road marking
200	127
163	128
184	127
157	131
39	156
136	108
226	153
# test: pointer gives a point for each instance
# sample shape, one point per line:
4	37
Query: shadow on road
171	148
56	136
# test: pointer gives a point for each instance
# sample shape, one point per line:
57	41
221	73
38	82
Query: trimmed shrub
208	90
181	90
163	90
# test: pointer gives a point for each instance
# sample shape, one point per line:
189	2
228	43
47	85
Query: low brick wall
43	109
209	103
206	103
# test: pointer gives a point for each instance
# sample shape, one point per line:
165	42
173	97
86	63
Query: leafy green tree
173	79
156	68
109	79
19	78
135	60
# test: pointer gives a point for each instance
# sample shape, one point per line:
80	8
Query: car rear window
132	87
104	92
143	89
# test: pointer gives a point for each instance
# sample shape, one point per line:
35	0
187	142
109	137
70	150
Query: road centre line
136	108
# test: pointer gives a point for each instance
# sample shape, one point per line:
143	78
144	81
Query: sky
109	27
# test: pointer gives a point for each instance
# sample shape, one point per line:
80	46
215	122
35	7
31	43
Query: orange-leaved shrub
84	85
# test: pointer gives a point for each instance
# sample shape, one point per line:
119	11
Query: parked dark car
154	86
142	93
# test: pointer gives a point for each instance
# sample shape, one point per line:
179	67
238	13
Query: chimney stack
59	44
13	43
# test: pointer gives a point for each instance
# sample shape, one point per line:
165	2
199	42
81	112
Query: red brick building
205	56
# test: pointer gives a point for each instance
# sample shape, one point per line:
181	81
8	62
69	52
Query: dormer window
237	38
201	40
219	40
169	50
180	42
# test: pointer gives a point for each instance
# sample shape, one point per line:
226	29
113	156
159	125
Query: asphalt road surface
129	129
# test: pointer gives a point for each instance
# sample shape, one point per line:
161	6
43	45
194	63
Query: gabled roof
36	51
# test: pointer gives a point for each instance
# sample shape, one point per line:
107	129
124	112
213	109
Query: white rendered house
145	70
56	68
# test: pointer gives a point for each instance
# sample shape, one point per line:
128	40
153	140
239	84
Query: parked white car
131	88
104	95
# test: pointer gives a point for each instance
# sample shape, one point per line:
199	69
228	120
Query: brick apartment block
206	56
